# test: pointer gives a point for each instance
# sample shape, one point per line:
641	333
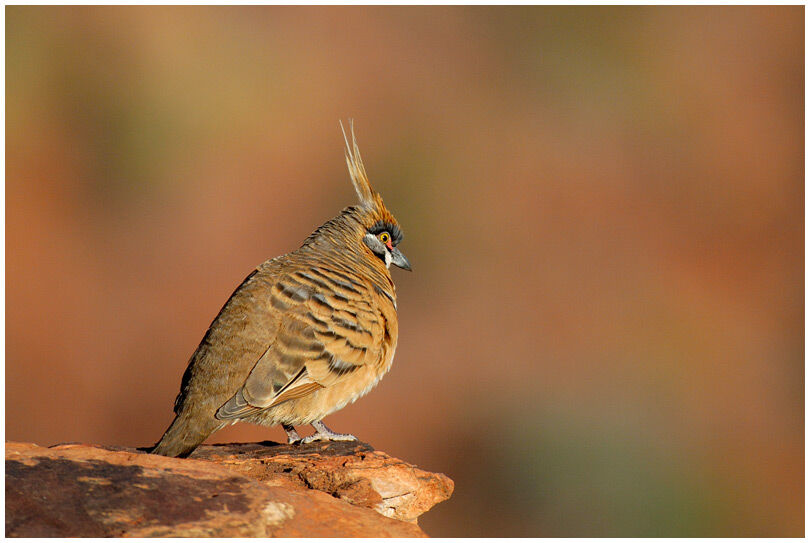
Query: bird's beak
398	259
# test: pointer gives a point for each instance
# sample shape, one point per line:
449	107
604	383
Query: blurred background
603	333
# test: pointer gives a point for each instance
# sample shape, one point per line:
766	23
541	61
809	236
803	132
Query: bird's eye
385	237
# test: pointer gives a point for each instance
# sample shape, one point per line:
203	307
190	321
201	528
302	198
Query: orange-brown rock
351	471
244	490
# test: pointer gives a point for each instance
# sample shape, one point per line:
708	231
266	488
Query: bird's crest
356	169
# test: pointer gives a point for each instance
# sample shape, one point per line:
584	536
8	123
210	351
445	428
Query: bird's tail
185	434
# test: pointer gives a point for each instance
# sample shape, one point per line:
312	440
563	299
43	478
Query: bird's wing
326	331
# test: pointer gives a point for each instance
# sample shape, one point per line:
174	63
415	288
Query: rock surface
241	490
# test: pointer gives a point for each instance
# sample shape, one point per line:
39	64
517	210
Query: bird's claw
292	436
328	437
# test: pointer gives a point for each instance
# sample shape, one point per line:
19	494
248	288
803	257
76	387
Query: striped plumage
304	334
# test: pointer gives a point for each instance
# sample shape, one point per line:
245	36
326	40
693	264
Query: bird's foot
292	435
322	433
328	437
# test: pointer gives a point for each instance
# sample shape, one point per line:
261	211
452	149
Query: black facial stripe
383	226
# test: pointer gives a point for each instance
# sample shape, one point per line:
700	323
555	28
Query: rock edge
344	489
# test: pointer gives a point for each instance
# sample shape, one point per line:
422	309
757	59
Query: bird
304	335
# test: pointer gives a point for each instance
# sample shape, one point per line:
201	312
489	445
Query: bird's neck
351	256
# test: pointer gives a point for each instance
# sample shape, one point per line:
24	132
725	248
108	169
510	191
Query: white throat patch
372	241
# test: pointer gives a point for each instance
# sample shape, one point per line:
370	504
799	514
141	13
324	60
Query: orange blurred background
603	334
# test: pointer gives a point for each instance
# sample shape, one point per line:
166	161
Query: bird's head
380	230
